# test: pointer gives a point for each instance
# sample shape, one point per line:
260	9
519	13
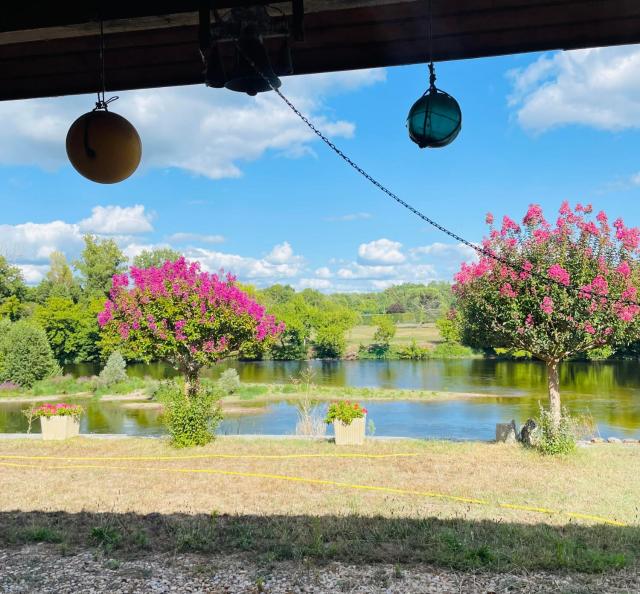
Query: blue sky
239	183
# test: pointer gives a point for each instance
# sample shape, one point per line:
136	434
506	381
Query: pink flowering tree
570	287
179	314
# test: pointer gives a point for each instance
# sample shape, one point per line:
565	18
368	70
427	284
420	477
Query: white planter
352	434
59	427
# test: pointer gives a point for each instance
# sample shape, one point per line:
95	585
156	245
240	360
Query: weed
106	537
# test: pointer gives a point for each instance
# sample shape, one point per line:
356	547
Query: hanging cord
479	249
102	103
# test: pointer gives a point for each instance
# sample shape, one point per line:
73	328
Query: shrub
190	420
413	351
25	355
451	350
344	411
114	371
229	381
554	439
60	409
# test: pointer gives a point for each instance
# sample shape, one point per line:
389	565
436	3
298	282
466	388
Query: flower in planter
60	409
344	411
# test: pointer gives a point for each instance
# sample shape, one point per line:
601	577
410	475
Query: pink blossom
489	219
624	269
507	291
508	225
558	273
565	209
529	320
547	305
589	328
534	215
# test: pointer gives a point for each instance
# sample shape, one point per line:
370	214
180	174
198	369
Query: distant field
424	334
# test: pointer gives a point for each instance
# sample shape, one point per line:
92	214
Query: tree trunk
553	380
191	382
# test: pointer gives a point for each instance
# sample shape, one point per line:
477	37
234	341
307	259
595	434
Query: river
609	391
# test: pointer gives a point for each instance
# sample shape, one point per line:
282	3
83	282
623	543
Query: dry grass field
426	334
451	505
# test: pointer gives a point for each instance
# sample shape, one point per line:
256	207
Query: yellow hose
298	479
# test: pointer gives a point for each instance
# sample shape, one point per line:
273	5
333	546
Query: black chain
480	250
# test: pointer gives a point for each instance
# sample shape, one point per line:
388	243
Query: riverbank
142	390
469	506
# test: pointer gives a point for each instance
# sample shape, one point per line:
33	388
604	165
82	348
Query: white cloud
323	272
381	251
209	132
34	242
259	270
598	87
31	242
181	238
117	220
458	251
354	216
280	254
33	273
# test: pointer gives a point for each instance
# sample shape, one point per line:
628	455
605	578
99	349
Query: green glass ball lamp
435	119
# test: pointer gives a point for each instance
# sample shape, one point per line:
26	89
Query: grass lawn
230	497
427	334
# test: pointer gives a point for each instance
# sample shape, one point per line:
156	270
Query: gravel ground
41	569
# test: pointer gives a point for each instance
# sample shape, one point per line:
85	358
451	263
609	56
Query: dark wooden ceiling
50	48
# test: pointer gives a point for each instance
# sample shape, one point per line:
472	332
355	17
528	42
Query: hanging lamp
103	146
435	119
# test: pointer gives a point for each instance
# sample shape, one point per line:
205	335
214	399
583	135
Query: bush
451	350
189	421
25	355
229	381
555	441
414	352
114	371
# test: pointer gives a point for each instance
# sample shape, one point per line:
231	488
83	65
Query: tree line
66	303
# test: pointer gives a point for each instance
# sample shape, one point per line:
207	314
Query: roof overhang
50	48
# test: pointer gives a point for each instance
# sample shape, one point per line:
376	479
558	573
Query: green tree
449	327
61	320
99	262
58	282
385	330
298	317
12	290
25	354
331	324
155	258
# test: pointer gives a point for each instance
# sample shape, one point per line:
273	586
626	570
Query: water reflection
608	390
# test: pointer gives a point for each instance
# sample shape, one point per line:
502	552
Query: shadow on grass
451	543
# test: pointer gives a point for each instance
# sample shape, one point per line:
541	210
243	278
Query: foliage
59	409
229	381
190	421
11	283
61	320
571	288
555	440
329	343
344	411
58	282
451	350
413	351
600	353
450	327
181	315
114	371
25	354
99	262
385	330
155	258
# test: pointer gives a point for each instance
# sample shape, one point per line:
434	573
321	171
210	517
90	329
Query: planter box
352	434
59	427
